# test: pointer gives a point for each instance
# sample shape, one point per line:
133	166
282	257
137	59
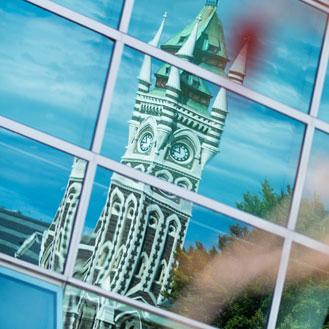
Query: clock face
180	152
146	142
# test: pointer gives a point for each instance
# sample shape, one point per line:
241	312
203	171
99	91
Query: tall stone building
172	135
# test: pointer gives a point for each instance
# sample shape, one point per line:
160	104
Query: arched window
160	273
102	256
172	229
117	259
141	266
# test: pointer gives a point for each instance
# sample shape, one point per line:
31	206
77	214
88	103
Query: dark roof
15	228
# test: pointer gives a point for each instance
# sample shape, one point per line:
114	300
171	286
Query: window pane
305	298
28	303
324	106
157	248
129	317
222	144
52	72
313	217
106	12
38	189
282	53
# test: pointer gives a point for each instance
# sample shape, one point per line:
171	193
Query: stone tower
172	135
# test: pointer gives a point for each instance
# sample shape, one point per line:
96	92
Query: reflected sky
23	295
52	71
104	11
324	106
284	65
205	225
64	95
257	143
33	176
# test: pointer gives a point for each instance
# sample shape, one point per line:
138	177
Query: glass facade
165	163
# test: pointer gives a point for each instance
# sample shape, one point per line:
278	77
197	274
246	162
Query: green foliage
302	300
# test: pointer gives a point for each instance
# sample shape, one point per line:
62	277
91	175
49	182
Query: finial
186	51
145	72
220	102
155	41
237	72
174	78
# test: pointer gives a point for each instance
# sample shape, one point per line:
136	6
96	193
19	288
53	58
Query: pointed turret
144	77
219	109
156	39
237	71
174	79
186	51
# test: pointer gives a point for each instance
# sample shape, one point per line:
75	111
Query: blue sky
40	312
52	74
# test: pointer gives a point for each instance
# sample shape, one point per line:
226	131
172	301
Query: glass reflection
125	317
162	250
52	72
305	298
37	191
324	106
313	217
39	304
282	52
201	137
106	12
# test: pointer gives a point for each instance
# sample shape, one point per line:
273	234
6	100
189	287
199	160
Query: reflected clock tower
172	135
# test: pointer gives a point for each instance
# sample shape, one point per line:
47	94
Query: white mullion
321	125
139	305
321	73
309	242
80	219
172	59
107	97
126	15
75	17
44	138
318	5
31	269
292	221
301	176
151	180
279	285
300	180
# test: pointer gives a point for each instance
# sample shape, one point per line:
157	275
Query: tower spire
145	71
237	71
220	102
155	41
186	51
174	78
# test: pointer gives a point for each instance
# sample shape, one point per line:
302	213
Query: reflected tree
230	306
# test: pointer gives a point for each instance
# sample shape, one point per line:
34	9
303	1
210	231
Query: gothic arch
154	208
165	175
159	277
140	167
128	320
149	124
141	265
173	219
116	202
184	182
130	206
190	138
104	253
